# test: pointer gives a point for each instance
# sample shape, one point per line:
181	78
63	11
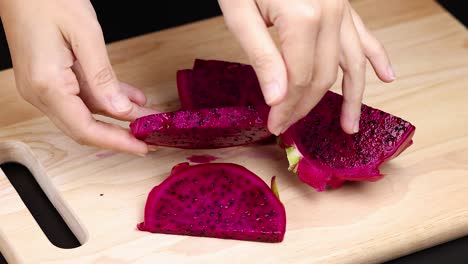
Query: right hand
61	67
316	38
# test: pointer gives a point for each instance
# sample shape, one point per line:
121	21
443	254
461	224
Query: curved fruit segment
213	83
221	200
204	128
324	156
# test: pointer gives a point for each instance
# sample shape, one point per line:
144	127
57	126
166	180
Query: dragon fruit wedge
213	83
324	156
204	128
219	200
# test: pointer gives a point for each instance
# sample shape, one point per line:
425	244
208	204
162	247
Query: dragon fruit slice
220	200
204	128
324	156
214	83
184	88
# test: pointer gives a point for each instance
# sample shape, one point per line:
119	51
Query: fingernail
356	126
277	130
141	154
152	147
120	103
273	93
391	72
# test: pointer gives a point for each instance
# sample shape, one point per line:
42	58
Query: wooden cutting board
421	201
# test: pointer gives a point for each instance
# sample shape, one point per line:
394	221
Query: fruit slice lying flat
220	200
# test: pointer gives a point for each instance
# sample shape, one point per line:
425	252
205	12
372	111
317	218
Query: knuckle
126	114
41	79
361	63
358	64
81	138
81	134
22	91
305	14
103	77
326	81
42	83
302	81
262	60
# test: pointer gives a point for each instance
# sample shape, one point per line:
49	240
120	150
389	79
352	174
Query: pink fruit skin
214	83
204	128
221	200
184	84
331	157
201	158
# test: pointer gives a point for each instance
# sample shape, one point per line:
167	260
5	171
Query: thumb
246	23
99	87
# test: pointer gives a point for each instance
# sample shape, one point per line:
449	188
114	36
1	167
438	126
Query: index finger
71	115
353	64
298	32
245	21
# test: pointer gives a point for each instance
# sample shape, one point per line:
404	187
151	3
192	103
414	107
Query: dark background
121	20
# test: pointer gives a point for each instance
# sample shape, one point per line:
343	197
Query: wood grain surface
421	201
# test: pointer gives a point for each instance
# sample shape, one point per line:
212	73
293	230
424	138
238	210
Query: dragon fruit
220	200
324	156
201	158
204	128
213	83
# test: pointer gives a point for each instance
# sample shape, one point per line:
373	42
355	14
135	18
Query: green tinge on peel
279	141
274	187
293	158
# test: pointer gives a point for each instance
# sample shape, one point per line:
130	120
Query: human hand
316	37
61	67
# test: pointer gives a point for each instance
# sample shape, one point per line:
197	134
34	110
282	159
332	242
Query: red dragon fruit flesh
219	200
213	83
324	156
204	128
